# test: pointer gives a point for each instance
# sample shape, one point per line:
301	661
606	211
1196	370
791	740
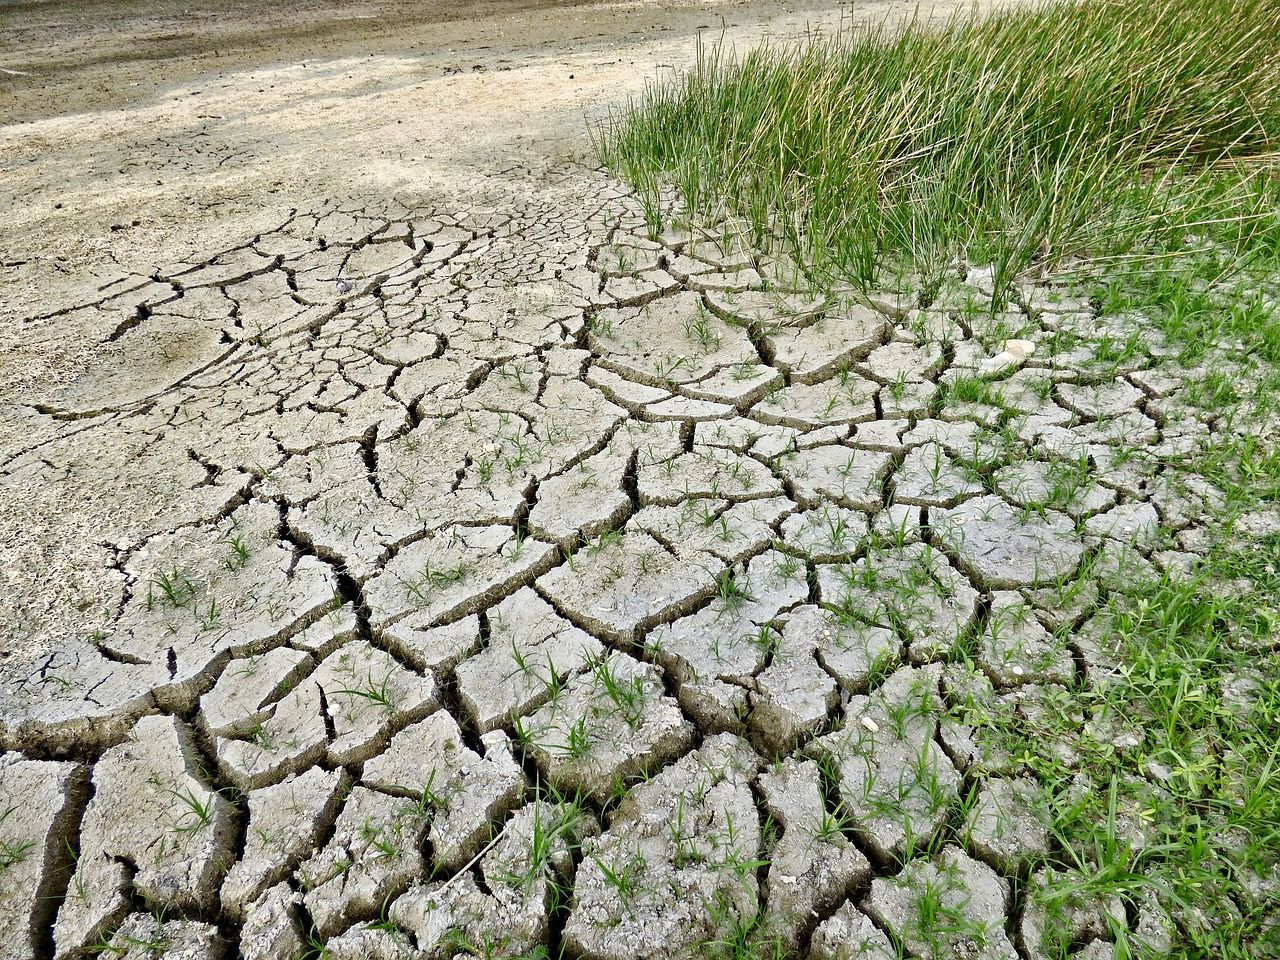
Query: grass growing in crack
832	826
314	947
938	922
421	586
120	945
1092	127
388	925
428	800
730	594
555	831
460	943
739	936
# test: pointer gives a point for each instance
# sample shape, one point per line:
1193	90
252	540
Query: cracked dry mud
543	507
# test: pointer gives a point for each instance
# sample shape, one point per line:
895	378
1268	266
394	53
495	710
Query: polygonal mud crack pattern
555	585
679	848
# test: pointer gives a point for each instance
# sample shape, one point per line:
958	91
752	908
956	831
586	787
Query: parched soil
407	554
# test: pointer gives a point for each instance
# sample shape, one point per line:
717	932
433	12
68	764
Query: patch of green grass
1188	808
1097	128
1185	298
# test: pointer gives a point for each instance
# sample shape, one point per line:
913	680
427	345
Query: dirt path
71	56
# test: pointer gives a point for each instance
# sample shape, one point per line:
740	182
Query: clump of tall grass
1083	129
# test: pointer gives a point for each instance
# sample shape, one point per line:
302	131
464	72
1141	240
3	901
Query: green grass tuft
1093	129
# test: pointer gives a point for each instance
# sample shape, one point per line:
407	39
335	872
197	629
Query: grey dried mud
551	585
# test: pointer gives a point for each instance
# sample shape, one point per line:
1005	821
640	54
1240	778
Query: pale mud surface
377	484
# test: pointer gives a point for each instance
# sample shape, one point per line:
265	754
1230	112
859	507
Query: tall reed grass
1025	138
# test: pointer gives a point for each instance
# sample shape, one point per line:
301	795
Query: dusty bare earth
372	485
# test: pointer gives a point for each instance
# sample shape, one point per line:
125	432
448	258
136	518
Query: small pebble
1020	348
